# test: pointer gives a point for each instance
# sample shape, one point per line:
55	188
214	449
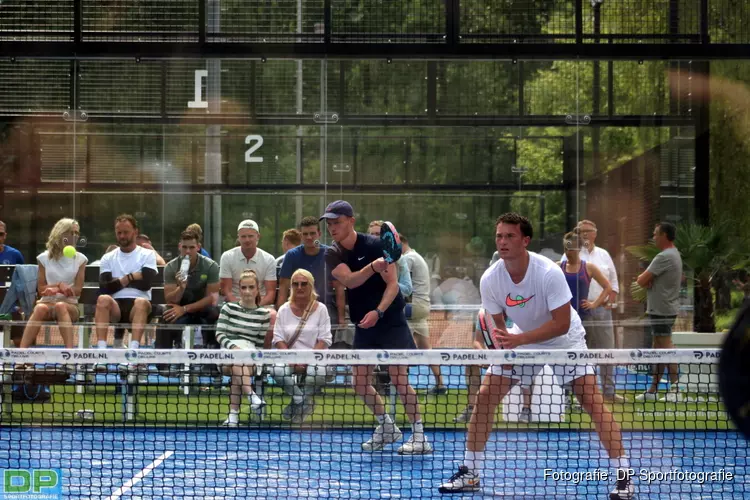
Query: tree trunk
722	285
703	321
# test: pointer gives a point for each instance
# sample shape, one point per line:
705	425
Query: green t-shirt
204	273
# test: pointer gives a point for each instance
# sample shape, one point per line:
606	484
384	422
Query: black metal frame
449	42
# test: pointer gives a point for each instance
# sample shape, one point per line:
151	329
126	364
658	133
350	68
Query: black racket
391	242
734	371
486	325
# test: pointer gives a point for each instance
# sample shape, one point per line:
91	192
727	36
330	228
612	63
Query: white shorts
245	345
525	374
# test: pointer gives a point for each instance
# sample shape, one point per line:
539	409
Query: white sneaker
384	434
257	409
416	446
463	481
233	420
624	490
673	396
464	416
525	415
647	396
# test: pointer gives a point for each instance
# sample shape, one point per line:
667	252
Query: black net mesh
36	20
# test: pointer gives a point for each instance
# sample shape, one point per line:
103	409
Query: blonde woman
301	323
247	326
59	284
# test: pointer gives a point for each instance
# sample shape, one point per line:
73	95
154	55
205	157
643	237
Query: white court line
137	478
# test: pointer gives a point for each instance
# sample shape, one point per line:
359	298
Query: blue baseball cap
336	209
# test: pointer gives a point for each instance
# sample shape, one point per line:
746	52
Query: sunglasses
299	284
247	287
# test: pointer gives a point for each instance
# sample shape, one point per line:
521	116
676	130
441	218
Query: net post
6	395
82	376
187	343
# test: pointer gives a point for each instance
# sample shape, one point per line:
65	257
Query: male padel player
532	290
376	308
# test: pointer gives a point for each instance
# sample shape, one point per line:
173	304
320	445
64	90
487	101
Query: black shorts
384	337
661	326
126	307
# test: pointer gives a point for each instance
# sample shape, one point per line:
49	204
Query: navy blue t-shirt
10	256
296	258
367	296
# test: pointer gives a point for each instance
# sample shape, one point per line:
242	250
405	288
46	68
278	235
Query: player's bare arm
557	326
350	279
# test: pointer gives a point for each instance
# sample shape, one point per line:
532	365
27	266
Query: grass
339	407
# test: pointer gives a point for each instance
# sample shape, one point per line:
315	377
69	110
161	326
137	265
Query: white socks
474	460
384	419
620	463
134	344
101	344
418	428
254	400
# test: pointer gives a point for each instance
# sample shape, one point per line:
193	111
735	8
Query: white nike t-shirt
529	302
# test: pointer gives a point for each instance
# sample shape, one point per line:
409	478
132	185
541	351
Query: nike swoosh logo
360	258
515	302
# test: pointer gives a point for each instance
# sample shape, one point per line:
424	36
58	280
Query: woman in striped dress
244	325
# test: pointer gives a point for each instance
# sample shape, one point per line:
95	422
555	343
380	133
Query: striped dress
239	323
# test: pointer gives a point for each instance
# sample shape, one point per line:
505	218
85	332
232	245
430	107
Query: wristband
372	267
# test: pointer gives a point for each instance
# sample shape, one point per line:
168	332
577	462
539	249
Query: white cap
248	224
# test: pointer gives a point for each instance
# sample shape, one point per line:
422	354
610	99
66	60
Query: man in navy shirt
376	308
310	255
9	256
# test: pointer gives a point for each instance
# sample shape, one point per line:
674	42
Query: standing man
532	289
600	333
248	256
311	256
662	280
9	256
376	308
125	277
418	310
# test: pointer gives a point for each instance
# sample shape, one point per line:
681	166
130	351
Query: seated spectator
125	277
59	284
144	241
195	228
247	326
190	298
290	239
9	256
301	323
248	256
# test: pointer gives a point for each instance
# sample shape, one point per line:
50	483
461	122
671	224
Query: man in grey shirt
662	280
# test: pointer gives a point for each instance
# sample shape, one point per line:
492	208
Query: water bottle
184	268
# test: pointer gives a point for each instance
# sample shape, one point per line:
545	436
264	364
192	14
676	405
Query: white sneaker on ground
233	420
384	434
463	481
647	396
673	396
416	445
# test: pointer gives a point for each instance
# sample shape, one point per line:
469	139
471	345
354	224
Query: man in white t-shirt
125	278
533	291
248	256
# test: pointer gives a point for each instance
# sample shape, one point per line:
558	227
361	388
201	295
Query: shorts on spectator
661	326
417	315
126	307
245	345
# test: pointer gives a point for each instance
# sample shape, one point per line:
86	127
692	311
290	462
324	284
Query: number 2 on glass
249	158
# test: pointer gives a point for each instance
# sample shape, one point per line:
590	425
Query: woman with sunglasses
247	326
59	284
301	323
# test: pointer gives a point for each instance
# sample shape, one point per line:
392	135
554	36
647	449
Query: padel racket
486	325
734	371
391	242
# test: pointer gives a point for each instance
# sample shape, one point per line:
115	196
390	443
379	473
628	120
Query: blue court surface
99	463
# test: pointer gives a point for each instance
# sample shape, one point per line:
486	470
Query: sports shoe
233	420
464	416
624	490
437	390
673	396
614	398
647	396
257	410
463	481
416	445
525	415
291	410
384	434
305	410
